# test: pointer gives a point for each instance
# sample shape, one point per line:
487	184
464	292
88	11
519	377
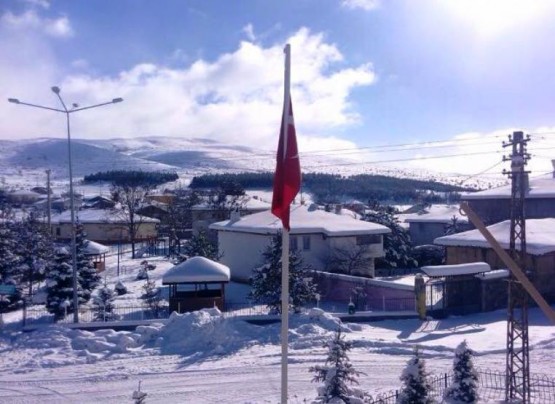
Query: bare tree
350	260
131	195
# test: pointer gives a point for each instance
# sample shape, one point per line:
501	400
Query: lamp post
67	112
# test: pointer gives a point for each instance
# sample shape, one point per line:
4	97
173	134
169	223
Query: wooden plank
507	260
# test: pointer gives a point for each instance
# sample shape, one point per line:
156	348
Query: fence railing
491	387
39	314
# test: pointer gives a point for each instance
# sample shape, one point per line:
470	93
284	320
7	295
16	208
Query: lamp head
13	100
55	90
116	100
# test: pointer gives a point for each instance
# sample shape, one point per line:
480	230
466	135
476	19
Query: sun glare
493	17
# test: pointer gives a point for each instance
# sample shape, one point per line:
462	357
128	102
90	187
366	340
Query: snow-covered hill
186	156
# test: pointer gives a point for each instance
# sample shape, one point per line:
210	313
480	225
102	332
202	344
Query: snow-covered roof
539	187
303	220
540	236
494	274
94	248
197	269
245	202
458	269
99	216
435	214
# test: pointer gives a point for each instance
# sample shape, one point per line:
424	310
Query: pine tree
266	280
87	275
199	246
9	266
397	244
103	305
415	388
34	246
464	385
59	285
338	374
152	297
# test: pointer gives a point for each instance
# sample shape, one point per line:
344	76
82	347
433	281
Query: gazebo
97	252
197	283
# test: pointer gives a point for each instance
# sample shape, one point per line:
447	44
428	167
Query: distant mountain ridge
185	156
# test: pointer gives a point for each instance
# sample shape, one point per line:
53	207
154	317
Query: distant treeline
124	177
330	188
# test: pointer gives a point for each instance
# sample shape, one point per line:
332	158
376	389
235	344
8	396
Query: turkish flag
287	178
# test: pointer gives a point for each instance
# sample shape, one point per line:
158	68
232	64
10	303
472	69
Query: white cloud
30	20
45	4
248	30
363	4
236	98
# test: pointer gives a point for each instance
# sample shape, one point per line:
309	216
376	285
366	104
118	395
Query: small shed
196	283
457	287
98	253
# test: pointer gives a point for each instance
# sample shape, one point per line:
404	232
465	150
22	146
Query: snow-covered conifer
59	285
464	385
34	246
266	280
415	388
9	266
103	305
199	246
88	277
152	297
338	374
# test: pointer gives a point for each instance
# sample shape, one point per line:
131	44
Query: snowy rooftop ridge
435	214
540	236
303	220
539	187
98	216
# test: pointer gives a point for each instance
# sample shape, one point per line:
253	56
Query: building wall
425	232
496	210
243	251
106	232
367	294
542	267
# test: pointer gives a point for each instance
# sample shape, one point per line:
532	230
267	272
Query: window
293	243
58	231
366	239
306	243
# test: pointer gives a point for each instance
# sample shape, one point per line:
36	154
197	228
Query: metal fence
39	315
491	388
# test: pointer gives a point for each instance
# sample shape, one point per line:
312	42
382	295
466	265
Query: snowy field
204	358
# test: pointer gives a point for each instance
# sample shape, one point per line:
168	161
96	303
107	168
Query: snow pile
197	334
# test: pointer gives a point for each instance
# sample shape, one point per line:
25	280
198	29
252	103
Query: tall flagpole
285	240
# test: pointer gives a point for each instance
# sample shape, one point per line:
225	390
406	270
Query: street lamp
66	111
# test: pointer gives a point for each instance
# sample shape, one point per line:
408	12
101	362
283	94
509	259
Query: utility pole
517	386
48	201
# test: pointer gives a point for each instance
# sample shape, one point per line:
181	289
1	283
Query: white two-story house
317	235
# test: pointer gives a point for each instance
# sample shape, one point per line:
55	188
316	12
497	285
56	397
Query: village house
471	246
206	213
316	234
426	223
104	226
494	205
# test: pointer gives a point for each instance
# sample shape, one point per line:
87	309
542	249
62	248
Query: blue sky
364	72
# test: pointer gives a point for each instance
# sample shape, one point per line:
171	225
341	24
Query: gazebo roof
94	248
197	270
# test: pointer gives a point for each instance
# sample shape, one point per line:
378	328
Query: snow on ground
203	357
